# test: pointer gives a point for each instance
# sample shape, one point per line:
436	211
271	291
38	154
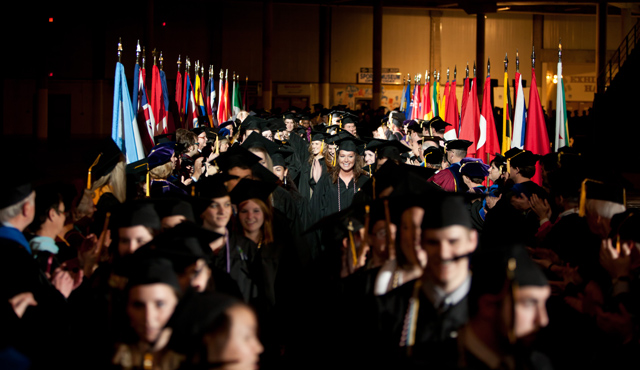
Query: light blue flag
124	128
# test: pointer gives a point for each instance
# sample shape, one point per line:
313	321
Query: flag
142	108
442	107
179	99
221	109
210	102
227	101
451	132
426	102
199	98
488	140
158	106
463	105
536	139
236	99
434	98
469	129
190	105
562	125
506	116
519	118
415	107
124	128
165	94
405	102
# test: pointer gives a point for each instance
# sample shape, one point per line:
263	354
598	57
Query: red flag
157	102
179	99
488	141
417	101
426	102
536	138
227	102
452	117
471	120
465	97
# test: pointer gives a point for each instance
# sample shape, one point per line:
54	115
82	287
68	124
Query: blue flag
124	128
406	100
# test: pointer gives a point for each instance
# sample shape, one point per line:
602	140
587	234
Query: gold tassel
148	192
322	148
583	199
90	168
193	190
217	145
511	271
352	244
148	361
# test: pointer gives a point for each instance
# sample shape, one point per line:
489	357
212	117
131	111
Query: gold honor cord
408	336
352	244
509	160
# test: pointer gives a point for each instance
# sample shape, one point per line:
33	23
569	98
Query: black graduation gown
306	182
242	253
325	198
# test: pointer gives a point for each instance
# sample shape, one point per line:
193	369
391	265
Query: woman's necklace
354	191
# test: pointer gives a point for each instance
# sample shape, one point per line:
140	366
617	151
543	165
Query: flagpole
119	49
160	60
138	51
143	56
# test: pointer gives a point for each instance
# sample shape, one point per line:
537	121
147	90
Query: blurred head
217	215
149	308
132	238
233	340
255	218
410	237
369	157
346	160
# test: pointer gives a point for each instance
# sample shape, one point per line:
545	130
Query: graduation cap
520	158
184	244
626	226
505	265
474	168
435	139
103	160
349	144
164	138
252	123
446	209
396	118
600	190
349	118
15	188
279	157
437	124
277	124
259	141
144	269
236	156
212	187
389	149
138	171
228	123
161	154
413	126
289	115
167	207
499	160
459	144
135	213
200	129
249	189
432	155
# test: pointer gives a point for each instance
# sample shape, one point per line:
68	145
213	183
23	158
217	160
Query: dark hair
46	200
527	171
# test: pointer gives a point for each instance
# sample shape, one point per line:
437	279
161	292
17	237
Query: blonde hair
267	157
161	172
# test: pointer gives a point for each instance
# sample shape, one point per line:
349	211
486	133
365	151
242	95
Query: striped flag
434	98
506	115
536	139
165	94
452	117
221	109
417	102
426	101
179	99
236	99
190	104
199	100
158	102
519	118
142	107
124	128
562	124
211	102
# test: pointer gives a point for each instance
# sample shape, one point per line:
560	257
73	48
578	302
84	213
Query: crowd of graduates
331	239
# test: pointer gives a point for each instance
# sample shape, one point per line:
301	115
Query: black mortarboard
259	141
236	156
260	172
495	267
626	225
289	115
135	213
212	187
433	155
138	170
435	139
277	124
349	144
166	207
142	269
14	189
599	190
102	160
396	118
200	129
252	123
457	144
164	138
227	123
250	189
437	124
474	168
389	149
349	118
565	183
319	136
279	158
184	244
447	209
520	158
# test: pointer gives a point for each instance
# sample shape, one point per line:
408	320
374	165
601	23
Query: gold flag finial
119	48
160	60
